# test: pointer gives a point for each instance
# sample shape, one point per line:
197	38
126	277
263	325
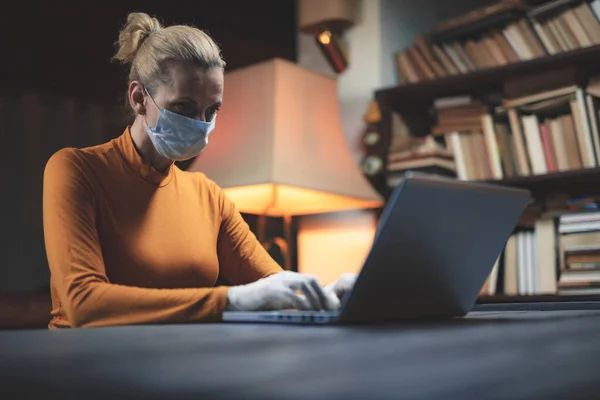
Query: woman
131	238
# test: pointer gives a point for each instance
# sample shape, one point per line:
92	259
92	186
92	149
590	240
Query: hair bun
138	28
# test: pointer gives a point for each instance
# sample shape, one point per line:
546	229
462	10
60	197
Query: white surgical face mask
178	137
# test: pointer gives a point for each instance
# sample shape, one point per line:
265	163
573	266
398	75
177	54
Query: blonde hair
151	48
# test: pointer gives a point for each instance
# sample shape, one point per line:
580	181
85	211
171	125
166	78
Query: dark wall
58	88
67	46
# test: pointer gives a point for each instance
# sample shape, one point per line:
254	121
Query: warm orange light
325	37
278	200
333	244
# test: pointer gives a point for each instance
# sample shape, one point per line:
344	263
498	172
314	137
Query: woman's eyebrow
185	98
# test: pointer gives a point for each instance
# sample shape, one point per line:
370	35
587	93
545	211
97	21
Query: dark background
67	46
59	88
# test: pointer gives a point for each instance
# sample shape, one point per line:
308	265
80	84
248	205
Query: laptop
436	243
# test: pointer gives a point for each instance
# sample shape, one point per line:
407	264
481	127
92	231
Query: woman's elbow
81	307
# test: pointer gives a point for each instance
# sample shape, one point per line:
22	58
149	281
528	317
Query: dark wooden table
541	354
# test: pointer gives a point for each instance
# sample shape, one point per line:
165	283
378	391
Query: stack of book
579	252
425	155
458	114
505	32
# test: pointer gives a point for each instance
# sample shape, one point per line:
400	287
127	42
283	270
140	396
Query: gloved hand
342	285
279	291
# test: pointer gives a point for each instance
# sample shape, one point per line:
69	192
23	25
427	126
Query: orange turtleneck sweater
127	244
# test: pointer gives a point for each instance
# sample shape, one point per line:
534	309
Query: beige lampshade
278	147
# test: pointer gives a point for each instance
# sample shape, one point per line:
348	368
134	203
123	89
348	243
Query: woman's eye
210	114
185	109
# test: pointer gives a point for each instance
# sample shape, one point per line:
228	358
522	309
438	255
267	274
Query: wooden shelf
576	183
503	303
554	298
485	81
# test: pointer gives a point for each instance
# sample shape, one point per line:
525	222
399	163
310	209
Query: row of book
567	28
548	132
527	265
560	255
551	28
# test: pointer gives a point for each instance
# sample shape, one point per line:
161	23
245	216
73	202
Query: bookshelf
502	90
410	96
578	183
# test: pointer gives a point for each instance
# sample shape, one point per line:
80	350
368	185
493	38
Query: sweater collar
126	148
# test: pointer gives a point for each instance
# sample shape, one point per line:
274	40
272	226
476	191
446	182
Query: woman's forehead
196	83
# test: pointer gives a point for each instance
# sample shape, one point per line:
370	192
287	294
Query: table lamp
278	148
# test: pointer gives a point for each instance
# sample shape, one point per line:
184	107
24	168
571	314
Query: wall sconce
334	49
327	21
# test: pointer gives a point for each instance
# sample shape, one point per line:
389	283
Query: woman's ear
137	98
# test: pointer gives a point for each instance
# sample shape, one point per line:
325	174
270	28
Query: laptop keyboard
302	316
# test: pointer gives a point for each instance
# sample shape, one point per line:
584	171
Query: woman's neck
145	148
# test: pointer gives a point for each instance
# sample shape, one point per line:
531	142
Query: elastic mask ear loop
155	105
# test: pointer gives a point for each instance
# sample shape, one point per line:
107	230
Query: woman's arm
77	267
244	262
242	258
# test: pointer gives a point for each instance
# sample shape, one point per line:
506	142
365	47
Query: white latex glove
279	291
342	285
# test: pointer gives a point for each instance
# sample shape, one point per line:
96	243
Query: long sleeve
242	258
78	274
